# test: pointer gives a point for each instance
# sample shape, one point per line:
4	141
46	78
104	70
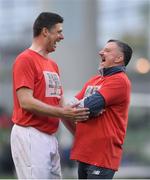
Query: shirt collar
111	70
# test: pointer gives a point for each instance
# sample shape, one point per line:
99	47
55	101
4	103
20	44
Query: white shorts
35	154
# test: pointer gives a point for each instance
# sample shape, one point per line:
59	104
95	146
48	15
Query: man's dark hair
45	19
125	49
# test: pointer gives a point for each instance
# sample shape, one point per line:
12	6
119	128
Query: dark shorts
88	171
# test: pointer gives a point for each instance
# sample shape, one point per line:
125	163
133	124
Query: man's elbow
25	98
25	104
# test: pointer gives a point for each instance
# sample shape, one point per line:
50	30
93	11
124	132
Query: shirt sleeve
114	91
95	103
23	73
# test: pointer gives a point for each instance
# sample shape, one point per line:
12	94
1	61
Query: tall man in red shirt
99	141
38	103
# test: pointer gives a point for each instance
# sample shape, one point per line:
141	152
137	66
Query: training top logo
91	90
53	84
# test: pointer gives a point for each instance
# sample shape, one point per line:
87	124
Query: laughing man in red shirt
99	141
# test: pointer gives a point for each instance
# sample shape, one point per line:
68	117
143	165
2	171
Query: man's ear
119	60
45	31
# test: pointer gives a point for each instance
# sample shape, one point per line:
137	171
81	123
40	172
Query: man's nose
61	37
100	52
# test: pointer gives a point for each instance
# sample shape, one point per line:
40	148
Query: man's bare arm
31	104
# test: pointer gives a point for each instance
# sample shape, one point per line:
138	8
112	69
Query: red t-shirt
98	141
32	70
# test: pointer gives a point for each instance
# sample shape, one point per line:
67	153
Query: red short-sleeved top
99	140
32	70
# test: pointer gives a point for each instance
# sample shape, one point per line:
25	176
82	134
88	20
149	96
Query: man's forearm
29	103
95	103
40	108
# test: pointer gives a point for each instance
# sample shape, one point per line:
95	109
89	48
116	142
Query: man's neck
37	47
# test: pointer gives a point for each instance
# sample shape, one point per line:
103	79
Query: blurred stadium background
88	25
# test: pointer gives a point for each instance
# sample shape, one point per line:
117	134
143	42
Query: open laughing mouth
103	59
